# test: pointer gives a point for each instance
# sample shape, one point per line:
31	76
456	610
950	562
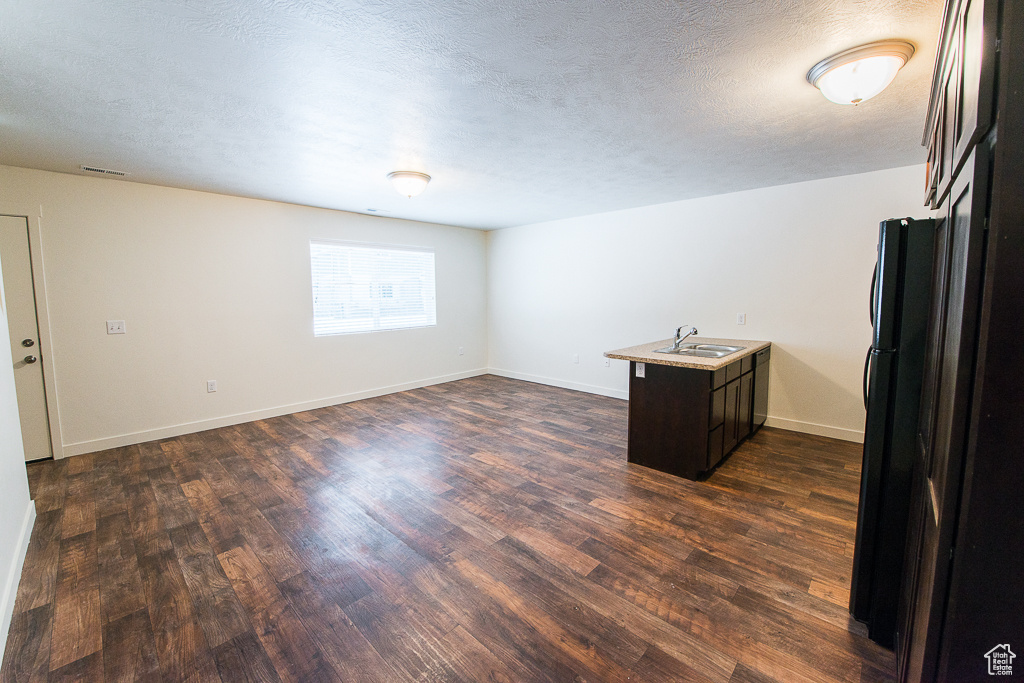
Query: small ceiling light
409	183
856	75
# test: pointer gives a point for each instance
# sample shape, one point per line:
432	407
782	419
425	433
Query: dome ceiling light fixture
409	183
858	74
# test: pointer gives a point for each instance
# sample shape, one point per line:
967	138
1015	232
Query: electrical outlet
741	318
115	327
641	370
576	358
211	386
461	350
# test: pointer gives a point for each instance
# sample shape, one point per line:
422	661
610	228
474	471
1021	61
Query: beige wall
217	287
797	259
16	510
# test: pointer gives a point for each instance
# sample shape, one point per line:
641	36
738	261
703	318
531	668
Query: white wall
797	259
218	287
16	510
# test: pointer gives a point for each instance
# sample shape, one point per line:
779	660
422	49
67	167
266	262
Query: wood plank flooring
481	530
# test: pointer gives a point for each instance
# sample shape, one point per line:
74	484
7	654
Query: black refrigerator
893	369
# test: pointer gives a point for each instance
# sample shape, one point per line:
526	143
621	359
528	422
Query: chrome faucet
680	336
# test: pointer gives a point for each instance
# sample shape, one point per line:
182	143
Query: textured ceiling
521	110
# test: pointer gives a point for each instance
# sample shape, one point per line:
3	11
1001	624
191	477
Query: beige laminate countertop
645	353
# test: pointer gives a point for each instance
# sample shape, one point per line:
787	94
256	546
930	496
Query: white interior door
16	264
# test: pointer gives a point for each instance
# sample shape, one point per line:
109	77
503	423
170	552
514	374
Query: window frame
371	246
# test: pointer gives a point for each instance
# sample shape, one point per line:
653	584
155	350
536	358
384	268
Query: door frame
35	246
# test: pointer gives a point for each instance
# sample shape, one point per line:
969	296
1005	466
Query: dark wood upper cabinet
963	590
961	110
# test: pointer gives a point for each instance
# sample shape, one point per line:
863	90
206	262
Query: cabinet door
964	100
931	173
717	410
944	415
732	413
715	445
950	120
976	66
760	401
746	400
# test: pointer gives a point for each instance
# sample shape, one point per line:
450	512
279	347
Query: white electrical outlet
115	327
461	351
211	386
640	369
741	318
576	358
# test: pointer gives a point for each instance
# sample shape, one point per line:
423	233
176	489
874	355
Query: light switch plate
211	386
640	369
115	327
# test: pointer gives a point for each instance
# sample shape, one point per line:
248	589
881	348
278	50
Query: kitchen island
688	412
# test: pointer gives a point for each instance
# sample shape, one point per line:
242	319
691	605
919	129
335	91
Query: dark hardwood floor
481	530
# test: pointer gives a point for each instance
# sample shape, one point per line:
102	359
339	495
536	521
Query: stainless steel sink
701	350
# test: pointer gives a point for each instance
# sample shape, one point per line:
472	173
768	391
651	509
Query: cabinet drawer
733	370
746	365
718	378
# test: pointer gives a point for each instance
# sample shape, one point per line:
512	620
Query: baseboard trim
94	445
857	436
563	384
91	446
14	575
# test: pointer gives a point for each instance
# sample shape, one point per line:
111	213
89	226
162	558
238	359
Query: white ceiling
521	110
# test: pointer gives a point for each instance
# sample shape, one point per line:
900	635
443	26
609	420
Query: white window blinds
364	288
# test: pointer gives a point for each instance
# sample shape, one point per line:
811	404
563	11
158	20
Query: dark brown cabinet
684	421
963	589
759	403
732	415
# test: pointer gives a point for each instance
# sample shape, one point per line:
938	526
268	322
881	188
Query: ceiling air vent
103	171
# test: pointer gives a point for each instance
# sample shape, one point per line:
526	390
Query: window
365	288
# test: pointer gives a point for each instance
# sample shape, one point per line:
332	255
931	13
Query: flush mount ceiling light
859	74
409	183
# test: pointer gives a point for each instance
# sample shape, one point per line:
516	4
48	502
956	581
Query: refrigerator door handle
867	364
874	284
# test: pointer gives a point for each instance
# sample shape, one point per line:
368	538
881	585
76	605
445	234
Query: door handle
30	359
874	283
27	343
867	365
